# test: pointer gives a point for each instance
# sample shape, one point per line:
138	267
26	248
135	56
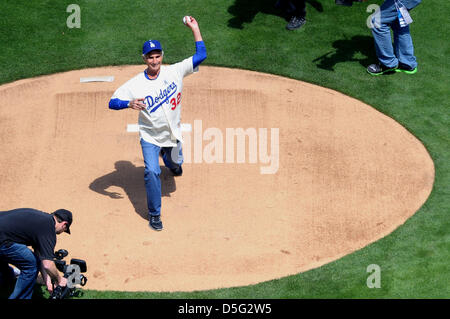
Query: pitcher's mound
280	176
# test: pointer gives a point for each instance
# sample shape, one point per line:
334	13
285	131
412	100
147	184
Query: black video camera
347	3
73	273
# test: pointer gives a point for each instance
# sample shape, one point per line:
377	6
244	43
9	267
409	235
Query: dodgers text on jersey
153	103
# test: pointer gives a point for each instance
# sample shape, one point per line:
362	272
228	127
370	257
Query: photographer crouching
24	227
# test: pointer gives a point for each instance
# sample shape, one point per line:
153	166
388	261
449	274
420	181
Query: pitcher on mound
157	94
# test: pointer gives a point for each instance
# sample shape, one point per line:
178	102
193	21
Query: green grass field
332	50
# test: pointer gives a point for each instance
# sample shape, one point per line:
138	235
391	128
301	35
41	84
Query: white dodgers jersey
159	123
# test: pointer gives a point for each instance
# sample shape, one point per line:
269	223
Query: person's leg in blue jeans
382	34
399	57
403	45
173	158
151	177
23	258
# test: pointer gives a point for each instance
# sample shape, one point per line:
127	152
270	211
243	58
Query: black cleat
156	223
295	23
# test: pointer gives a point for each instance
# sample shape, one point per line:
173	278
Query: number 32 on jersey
175	102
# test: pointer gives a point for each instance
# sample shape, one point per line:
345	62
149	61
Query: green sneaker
406	69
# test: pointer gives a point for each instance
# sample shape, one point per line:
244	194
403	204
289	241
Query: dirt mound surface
280	176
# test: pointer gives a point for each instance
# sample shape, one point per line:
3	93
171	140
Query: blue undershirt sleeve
117	104
200	53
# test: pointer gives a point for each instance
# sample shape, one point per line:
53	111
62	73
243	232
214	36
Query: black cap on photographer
66	216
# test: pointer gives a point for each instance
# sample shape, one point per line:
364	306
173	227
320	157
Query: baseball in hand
186	19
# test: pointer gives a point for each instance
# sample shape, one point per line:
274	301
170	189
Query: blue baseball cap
151	45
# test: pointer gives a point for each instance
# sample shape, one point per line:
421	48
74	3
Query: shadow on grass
358	48
244	11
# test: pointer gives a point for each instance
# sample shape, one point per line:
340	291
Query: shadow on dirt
131	179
